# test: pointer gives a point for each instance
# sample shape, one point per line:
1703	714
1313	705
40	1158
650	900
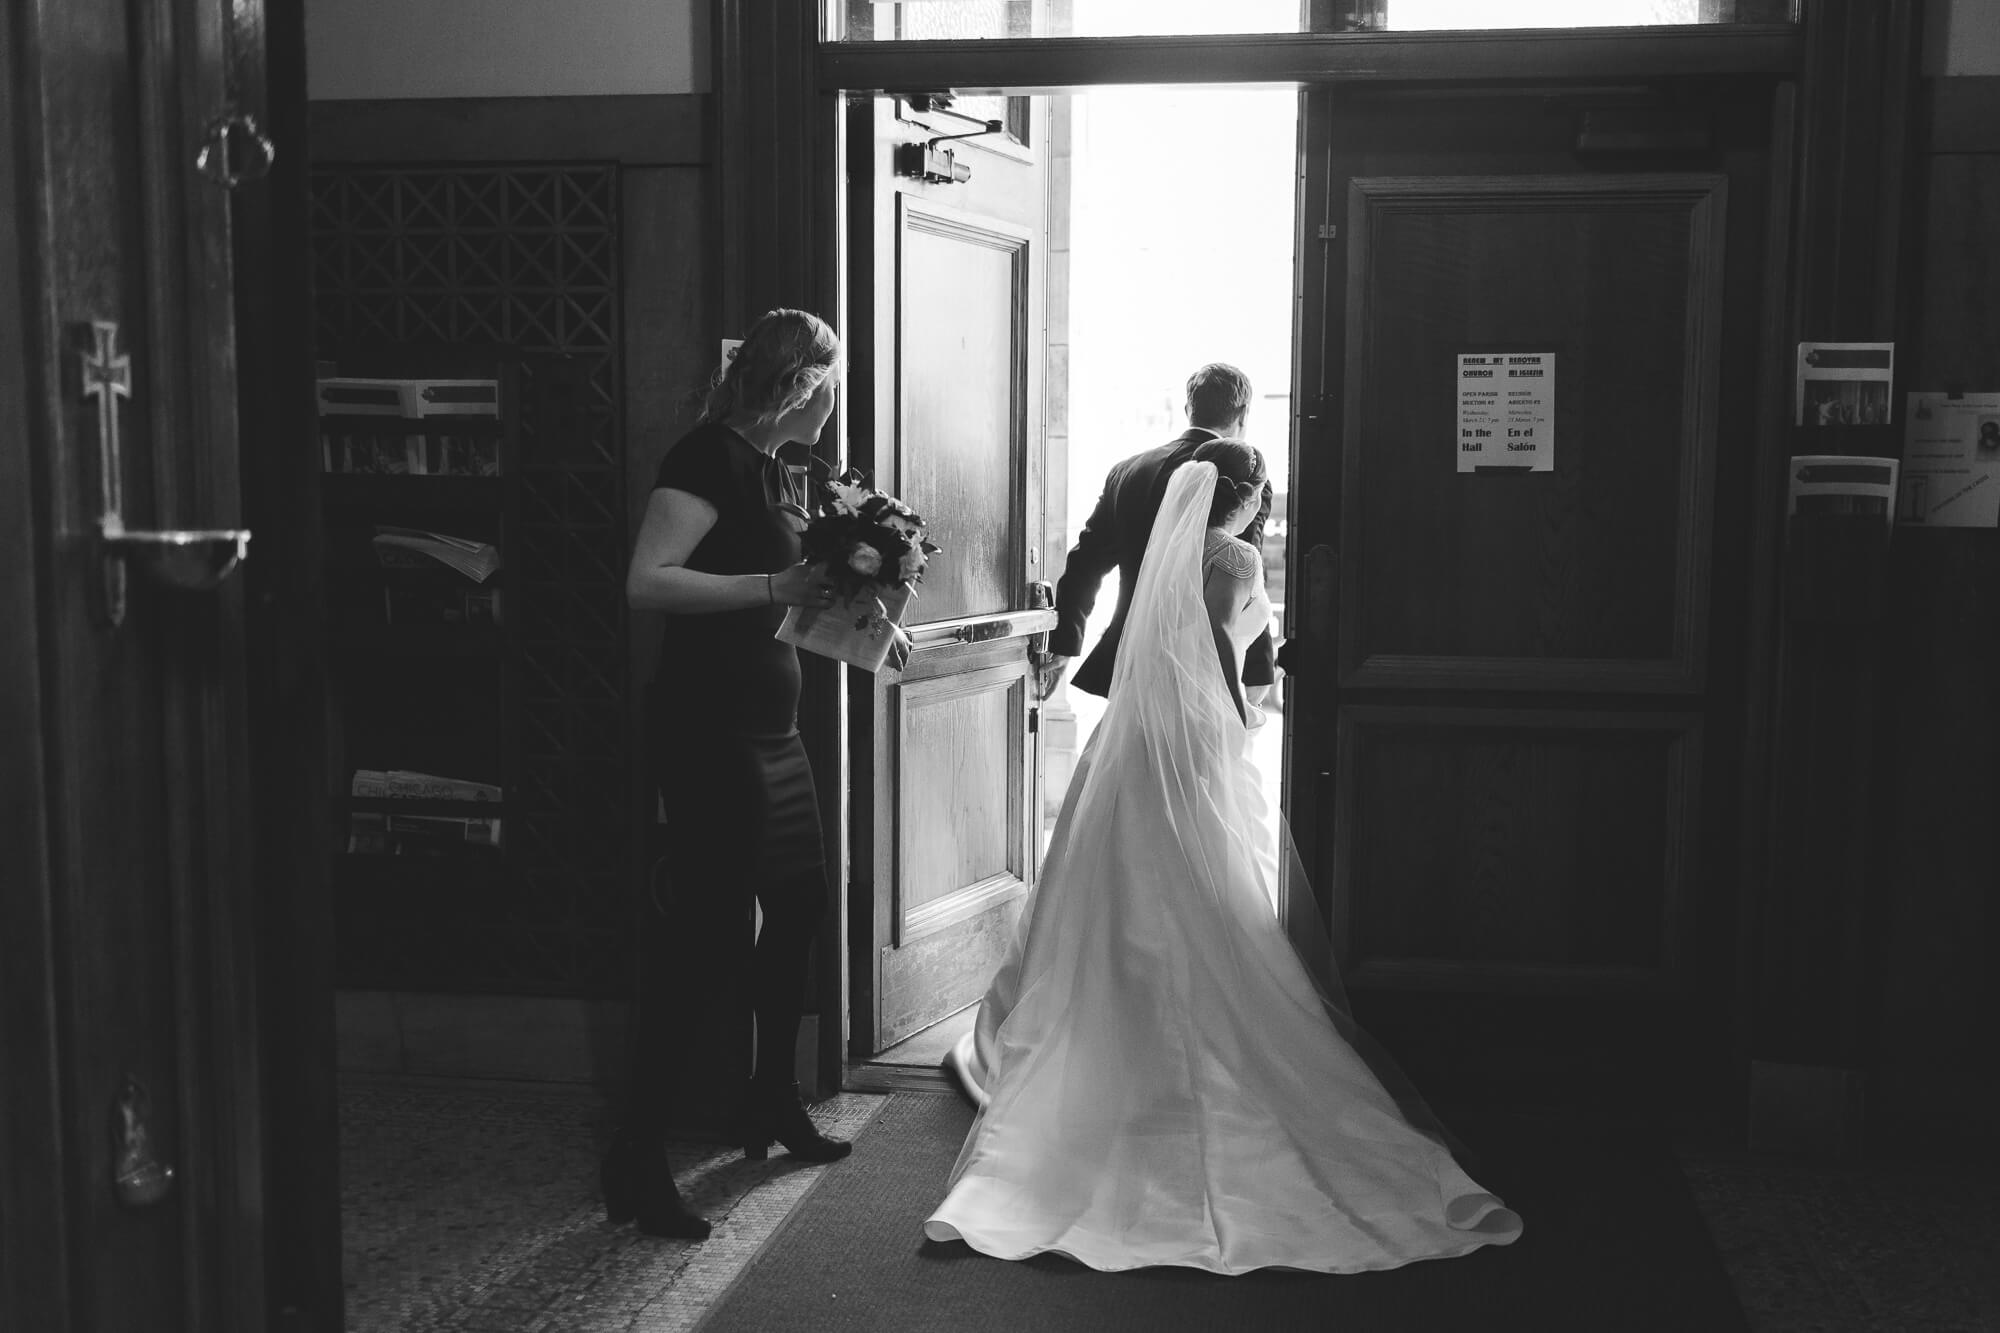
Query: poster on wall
1844	384
1951	461
1506	411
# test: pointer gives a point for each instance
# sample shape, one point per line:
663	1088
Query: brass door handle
983	629
189	558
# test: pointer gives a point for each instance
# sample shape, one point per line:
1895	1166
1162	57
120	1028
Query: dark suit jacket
1115	538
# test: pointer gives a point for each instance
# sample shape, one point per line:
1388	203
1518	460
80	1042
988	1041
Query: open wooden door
1520	671
946	328
131	1124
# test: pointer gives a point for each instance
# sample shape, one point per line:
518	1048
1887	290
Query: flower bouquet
873	549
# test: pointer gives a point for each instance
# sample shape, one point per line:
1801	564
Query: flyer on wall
1506	411
1951	461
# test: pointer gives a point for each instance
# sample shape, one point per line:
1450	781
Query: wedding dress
1162	1076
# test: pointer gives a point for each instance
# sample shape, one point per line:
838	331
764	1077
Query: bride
1164	1076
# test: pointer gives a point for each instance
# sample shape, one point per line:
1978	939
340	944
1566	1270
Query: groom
1218	402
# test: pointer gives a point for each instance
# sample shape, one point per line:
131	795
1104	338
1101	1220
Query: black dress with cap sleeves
722	711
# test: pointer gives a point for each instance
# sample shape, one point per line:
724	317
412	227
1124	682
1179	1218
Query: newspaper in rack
476	560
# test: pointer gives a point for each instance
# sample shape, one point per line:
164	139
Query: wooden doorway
1519	689
947	284
135	1116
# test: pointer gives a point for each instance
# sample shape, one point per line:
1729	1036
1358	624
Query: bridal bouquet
873	548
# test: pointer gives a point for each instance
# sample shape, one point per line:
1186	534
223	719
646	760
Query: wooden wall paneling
1941	777
663	129
1758	576
669	345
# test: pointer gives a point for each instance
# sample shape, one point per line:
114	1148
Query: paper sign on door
1506	411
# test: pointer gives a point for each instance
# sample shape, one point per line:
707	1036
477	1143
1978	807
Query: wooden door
946	324
131	1130
1520	691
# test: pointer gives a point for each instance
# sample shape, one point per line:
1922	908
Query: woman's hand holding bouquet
868	551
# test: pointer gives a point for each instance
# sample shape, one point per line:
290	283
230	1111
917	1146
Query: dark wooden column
777	243
775	224
1813	961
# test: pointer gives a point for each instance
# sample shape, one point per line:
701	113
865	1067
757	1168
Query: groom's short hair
1217	395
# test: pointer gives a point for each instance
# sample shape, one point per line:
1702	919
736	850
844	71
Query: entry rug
473	1208
1613	1244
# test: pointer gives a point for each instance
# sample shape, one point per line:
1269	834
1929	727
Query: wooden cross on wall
107	377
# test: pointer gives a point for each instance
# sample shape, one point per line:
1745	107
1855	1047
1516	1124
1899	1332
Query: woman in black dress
718	551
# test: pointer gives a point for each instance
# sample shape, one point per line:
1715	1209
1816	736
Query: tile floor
472	1206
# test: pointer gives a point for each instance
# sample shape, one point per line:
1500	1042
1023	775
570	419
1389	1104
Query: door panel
1516	692
961	310
1592	575
958	748
946	325
958	745
1514	849
146	1024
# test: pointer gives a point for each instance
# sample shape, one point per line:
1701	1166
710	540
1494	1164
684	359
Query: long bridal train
1161	1079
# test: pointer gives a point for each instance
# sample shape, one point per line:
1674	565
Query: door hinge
1329	231
1034	721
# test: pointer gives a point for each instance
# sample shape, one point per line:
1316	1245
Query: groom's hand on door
1049	674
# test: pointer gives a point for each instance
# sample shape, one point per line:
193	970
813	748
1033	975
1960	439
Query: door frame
779	87
781	126
286	634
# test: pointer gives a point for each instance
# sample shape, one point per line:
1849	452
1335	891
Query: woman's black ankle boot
638	1186
618	1179
773	1111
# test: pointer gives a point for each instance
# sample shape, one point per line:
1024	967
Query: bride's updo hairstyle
784	359
1239	475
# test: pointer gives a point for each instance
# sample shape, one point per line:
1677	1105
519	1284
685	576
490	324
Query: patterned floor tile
472	1208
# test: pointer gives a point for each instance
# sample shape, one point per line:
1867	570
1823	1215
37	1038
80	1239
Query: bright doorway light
1182	215
1422	15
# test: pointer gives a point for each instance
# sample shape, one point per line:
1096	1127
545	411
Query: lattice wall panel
523	257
